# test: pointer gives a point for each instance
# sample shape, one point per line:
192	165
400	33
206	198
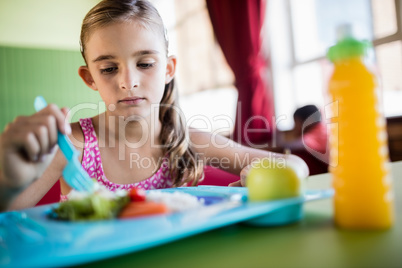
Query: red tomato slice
137	195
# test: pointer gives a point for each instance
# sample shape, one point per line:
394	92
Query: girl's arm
225	154
26	149
30	196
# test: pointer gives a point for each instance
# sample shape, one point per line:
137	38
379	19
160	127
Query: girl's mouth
132	100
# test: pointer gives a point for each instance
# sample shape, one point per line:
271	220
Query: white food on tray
176	201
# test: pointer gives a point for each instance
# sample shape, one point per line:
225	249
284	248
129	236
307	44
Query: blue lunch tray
60	243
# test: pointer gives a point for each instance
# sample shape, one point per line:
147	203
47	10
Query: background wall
43	23
28	72
39	55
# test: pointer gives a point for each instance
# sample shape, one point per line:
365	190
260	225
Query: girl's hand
298	165
243	176
27	146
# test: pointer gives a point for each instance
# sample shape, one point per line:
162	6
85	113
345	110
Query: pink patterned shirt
92	163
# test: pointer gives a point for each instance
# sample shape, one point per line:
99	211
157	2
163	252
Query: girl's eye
108	70
145	65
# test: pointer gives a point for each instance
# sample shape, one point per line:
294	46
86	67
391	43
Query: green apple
270	179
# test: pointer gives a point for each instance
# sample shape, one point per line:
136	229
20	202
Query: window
204	80
302	31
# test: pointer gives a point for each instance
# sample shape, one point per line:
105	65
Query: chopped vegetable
105	204
92	207
99	205
137	209
137	195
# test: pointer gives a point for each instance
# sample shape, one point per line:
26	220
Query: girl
140	141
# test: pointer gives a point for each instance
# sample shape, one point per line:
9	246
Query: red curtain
237	25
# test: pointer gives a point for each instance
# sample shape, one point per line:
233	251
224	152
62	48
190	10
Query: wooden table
313	242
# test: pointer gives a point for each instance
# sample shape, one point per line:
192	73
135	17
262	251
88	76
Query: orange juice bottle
359	161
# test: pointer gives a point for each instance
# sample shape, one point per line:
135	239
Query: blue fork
74	175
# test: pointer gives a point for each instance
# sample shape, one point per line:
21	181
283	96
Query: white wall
42	23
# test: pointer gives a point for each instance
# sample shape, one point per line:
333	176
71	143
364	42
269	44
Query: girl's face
128	65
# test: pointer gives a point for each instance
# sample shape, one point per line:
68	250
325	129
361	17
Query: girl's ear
170	69
86	76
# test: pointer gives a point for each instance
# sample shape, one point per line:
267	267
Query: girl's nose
128	79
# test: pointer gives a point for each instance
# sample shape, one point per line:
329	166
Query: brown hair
184	164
